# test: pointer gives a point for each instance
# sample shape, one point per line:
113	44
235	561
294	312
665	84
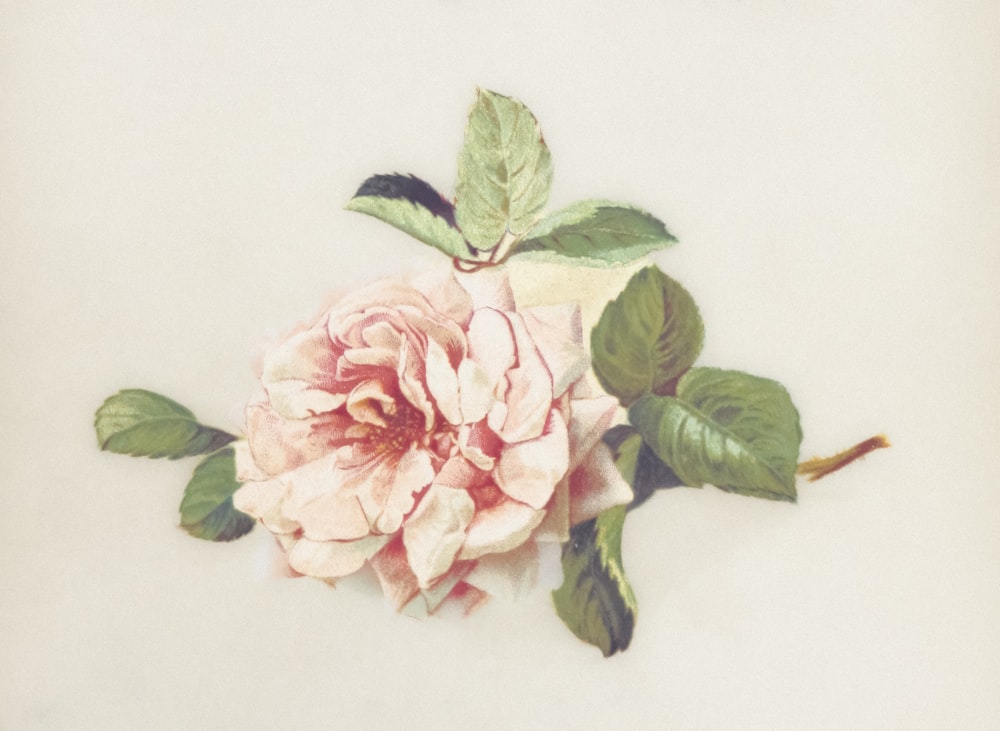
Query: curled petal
298	376
442	382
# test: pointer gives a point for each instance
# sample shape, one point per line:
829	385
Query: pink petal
530	395
528	471
499	529
442	382
491	343
596	485
386	486
449	298
435	531
394	574
279	445
488	288
590	418
558	335
509	575
315	502
555	527
263	500
479	445
333	559
299	375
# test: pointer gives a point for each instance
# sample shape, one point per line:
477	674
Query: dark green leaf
730	429
413	206
647	337
504	172
595	600
207	507
639	465
145	424
600	233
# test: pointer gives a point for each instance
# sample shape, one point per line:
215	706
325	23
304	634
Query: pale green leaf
504	172
413	206
207	507
726	428
598	233
145	424
647	337
595	600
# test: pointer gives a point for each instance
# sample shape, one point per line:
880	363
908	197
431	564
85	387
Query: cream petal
435	531
333	559
528	471
475	391
511	575
368	401
442	382
596	485
488	288
558	335
498	529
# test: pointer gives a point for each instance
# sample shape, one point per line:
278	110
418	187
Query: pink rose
438	436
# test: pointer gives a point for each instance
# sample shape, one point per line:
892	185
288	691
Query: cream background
171	183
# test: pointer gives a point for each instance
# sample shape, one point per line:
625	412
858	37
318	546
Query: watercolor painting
540	367
444	436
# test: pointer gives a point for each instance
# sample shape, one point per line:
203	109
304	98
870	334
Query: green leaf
207	507
730	429
595	600
599	233
504	172
647	337
413	206
145	424
639	465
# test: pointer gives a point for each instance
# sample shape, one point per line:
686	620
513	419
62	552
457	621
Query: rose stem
823	466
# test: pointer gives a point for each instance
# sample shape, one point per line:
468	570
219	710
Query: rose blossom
438	436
